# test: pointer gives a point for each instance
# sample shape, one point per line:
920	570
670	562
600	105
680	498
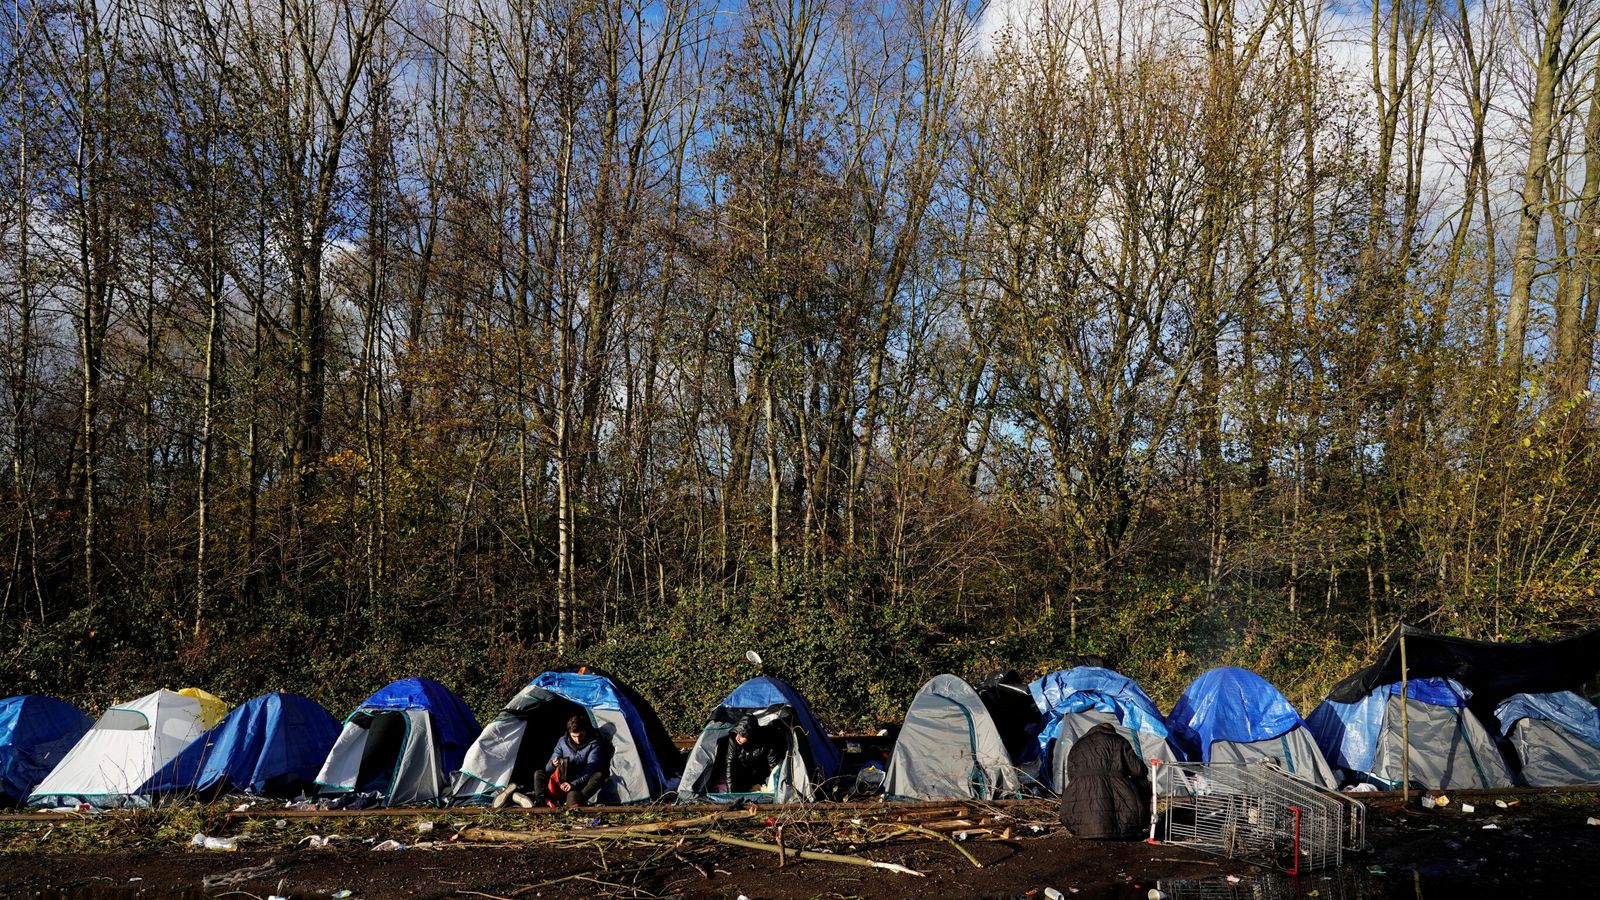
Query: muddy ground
1541	847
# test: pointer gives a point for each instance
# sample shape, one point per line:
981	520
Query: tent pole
1405	725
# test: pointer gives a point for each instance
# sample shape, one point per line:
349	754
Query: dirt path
1540	847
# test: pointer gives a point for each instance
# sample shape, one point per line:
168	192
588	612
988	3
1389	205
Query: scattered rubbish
213	843
276	897
1593	821
961	835
424	827
341	894
1468	807
1234	879
390	845
1376	870
743	897
280	823
1502	804
1053	894
1157	894
1491	827
1429	801
318	842
243	807
135	878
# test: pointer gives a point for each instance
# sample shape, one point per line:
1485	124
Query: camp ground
1436	741
1554	738
949	748
35	733
515	745
1072	701
129	743
807	757
1231	715
268	746
399	746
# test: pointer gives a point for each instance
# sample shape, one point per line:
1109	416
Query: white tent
123	749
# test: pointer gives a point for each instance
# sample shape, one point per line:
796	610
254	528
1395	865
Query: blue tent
514	747
1564	708
273	744
1088	695
1234	717
595	691
1556	737
810	760
402	743
35	733
1348	732
1438	741
764	691
455	728
1228	704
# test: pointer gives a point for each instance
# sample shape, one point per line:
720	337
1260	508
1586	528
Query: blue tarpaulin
1228	704
35	733
270	740
1347	733
764	691
1082	688
600	692
1564	708
453	723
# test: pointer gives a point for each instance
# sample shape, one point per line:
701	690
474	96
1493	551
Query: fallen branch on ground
812	855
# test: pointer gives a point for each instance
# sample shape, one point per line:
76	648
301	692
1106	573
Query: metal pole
1405	724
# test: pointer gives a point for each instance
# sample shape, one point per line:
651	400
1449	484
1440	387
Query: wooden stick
947	839
819	857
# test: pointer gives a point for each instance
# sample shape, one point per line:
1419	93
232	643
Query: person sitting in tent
1108	789
578	768
753	753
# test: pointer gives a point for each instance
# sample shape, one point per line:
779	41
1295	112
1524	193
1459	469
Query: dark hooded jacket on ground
1108	790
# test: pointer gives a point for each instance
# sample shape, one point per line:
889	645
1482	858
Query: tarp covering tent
109	764
515	746
401	743
1231	715
1556	737
1448	747
1492	671
271	745
1072	701
35	733
949	748
811	758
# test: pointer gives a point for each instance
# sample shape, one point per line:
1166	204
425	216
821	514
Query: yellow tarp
212	707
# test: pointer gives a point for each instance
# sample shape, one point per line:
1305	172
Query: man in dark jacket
578	768
753	753
1108	790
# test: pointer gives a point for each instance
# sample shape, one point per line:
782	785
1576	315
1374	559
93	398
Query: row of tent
414	742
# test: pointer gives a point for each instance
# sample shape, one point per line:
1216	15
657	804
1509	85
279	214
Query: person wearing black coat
752	754
1108	788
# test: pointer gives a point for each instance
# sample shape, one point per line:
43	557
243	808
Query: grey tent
1556	737
949	748
1449	747
514	747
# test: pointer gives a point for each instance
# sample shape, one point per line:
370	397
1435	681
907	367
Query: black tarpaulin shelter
1492	671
